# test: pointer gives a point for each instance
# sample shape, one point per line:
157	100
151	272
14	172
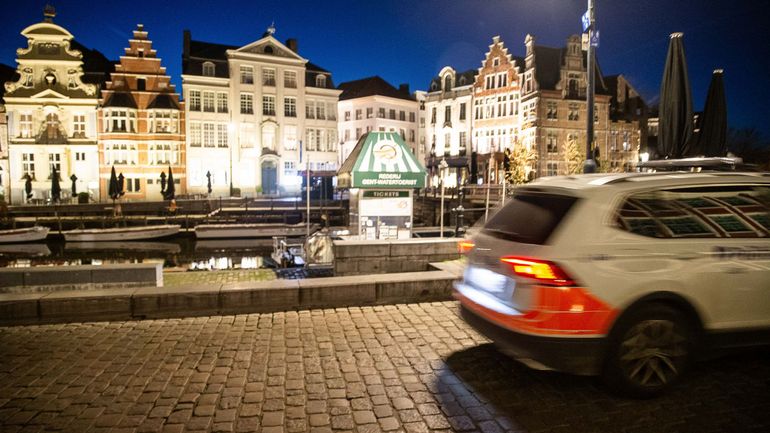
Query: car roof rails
694	164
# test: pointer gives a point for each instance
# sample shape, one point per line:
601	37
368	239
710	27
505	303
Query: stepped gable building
51	115
249	109
141	124
373	104
496	109
449	107
553	110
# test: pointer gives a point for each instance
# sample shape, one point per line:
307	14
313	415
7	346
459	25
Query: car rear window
529	217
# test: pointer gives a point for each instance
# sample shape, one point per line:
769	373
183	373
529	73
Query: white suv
627	276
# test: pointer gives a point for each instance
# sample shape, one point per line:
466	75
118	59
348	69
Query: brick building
141	124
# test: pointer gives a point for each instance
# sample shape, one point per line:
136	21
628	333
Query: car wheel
649	351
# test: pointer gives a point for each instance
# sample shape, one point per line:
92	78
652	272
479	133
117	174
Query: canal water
183	253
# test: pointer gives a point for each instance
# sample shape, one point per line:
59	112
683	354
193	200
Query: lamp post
590	165
442	168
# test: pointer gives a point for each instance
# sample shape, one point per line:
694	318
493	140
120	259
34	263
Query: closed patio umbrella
114	187
208	182
55	186
712	138
74	178
28	186
676	126
170	188
121	185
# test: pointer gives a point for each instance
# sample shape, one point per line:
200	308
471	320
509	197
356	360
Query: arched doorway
269	177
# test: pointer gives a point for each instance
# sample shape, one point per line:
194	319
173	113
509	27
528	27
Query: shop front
381	174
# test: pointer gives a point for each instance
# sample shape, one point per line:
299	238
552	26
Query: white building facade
51	116
248	111
372	104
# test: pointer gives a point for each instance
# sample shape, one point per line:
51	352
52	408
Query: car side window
729	211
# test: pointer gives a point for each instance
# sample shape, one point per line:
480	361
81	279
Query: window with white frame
247	103
574	112
411	116
551	142
309	109
463	142
79	126
25	125
290	79
221	102
28	164
80	156
381	112
551	168
248	136
320	110
552	111
209	70
331	111
268	136
165	121
54	161
359	114
120	120
120	153
502	79
208	102
320	80
290	107
411	135
164	153
331	140
247	74
347	116
268	77
208	134
222	138
290	137
133	185
194	97
268	105
195	134
289	168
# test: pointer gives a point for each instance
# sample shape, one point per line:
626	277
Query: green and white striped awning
381	160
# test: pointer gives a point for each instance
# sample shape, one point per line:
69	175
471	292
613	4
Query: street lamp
442	168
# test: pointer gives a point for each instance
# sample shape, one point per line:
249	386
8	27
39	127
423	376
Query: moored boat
220	231
27	234
121	233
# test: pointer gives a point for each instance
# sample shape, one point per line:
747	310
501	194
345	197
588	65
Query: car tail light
541	270
465	246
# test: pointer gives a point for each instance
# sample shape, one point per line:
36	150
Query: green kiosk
381	174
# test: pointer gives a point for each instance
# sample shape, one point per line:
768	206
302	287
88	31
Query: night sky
409	41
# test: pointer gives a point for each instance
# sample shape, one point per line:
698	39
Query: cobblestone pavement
408	368
177	278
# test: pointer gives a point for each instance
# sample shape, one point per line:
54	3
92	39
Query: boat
121	233
255	230
159	247
27	234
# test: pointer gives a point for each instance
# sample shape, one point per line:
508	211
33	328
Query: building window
309	109
247	75
120	121
347	116
163	153
574	112
411	135
25	125
462	111
79	126
402	116
222	139
208	102
289	168
463	142
290	137
320	80
433	116
290	79
54	161
412	117
141	84
268	77
164	121
358	133
290	107
221	102
195	100
80	156
208	135
209	70
381	112
247	103
268	105
268	136
359	114
121	154
552	168
502	79
448	115
392	114
195	134
247	135
551	143
552	111
331	111
28	164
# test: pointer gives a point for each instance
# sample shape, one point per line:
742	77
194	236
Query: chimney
292	44
186	44
404	88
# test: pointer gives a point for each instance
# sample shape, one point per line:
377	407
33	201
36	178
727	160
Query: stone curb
223	299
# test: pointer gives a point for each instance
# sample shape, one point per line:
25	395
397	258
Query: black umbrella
712	138
55	187
163	183
28	186
74	178
114	187
675	127
121	185
474	167
208	183
170	188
